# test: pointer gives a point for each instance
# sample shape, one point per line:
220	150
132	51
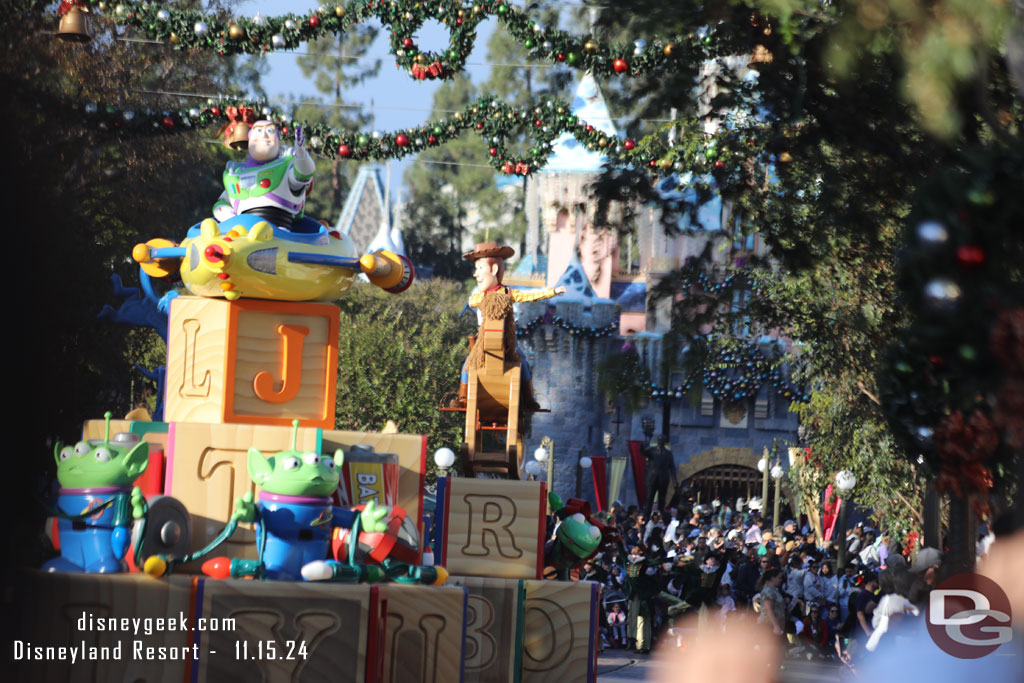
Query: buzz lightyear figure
272	183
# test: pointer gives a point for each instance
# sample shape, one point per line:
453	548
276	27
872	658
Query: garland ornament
194	29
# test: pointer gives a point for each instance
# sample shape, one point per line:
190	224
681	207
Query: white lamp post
845	481
444	458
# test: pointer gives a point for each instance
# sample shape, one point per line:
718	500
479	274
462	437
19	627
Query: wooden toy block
252	362
287	631
411	450
207	470
494	628
560	637
424	632
83	614
494	528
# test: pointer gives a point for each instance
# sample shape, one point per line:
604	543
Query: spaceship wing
349	262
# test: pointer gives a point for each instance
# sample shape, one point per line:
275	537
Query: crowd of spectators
727	562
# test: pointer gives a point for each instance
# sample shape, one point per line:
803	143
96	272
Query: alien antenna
108	415
295	435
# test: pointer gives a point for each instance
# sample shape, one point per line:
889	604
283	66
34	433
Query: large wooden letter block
494	628
207	470
494	528
424	631
253	362
412	459
287	631
560	639
74	611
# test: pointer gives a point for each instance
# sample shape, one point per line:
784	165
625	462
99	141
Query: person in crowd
795	578
773	604
789	530
833	622
866	602
815	632
829	582
753	536
726	603
814	592
617	625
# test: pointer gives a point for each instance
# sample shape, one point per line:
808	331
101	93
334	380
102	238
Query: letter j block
251	362
493	528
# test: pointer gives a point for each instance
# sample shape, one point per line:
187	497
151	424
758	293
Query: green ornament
437	130
903	367
711	153
363	140
502	9
707	41
529	44
968	353
572	58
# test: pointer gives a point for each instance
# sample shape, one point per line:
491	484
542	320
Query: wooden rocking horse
493	441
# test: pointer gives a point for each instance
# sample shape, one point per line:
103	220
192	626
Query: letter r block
251	362
494	528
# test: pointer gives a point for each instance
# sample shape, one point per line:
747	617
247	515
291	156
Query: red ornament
284	131
432	140
560	56
168	122
719	164
620	65
538	123
458	22
314	21
344	151
970	256
590	129
652	163
401	139
936	360
407	43
629	144
215	111
479	126
493	151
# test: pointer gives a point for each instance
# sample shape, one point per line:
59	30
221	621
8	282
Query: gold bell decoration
74	22
236	132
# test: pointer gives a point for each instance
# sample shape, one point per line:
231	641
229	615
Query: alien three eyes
310	459
83	448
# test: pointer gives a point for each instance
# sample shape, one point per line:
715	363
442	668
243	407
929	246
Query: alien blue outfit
298	531
94	543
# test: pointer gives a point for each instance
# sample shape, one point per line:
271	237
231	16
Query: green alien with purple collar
96	504
295	516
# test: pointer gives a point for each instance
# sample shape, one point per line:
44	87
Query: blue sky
399	101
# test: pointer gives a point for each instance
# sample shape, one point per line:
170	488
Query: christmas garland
720	159
193	29
495	121
575	330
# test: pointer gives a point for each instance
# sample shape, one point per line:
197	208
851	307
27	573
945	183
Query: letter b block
494	528
251	362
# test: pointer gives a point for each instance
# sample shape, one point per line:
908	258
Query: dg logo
968	616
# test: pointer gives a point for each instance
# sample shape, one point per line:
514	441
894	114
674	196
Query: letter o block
494	528
560	638
251	362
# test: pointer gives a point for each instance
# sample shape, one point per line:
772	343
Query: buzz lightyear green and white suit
274	190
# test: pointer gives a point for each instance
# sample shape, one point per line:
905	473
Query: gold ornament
74	26
665	163
339	11
174	39
669	49
421	58
236	32
590	46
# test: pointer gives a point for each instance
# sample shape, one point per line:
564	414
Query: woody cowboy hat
489	250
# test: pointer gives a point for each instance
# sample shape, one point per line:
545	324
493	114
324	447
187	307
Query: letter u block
251	362
493	528
424	633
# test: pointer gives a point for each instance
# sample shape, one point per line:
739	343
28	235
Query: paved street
617	667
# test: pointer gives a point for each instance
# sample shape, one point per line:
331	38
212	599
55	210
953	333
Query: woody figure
489	259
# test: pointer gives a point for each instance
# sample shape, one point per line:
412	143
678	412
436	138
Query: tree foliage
399	355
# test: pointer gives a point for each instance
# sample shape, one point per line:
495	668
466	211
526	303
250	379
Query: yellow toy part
248	257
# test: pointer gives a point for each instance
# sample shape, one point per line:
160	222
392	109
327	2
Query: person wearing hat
488	271
789	530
